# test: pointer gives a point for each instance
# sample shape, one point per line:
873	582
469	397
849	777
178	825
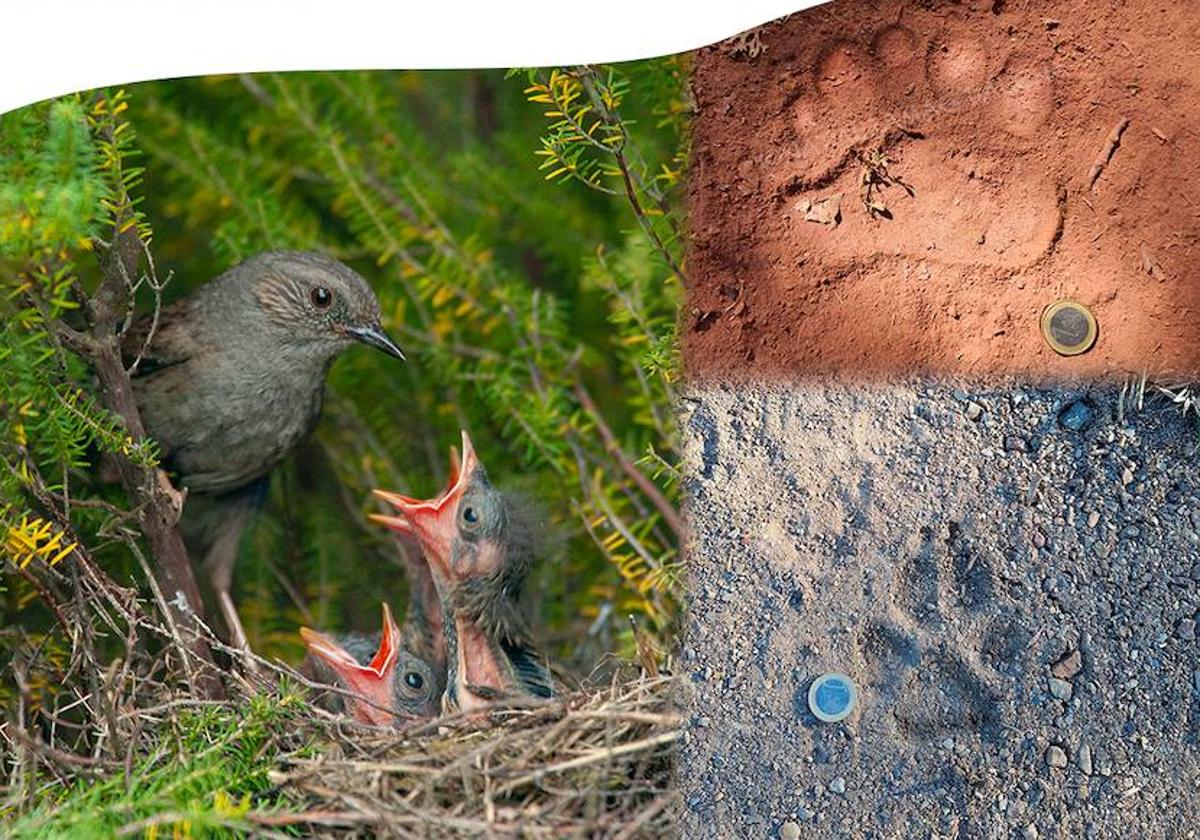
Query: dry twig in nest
593	764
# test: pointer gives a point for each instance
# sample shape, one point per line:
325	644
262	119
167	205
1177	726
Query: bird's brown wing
172	342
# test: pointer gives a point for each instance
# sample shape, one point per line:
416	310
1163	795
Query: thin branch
613	447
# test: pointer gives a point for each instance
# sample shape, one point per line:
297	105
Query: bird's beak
374	335
372	681
432	521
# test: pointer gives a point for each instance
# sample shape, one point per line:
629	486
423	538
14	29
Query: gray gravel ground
1012	577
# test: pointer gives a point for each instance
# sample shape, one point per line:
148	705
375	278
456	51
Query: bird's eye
470	516
414	680
321	297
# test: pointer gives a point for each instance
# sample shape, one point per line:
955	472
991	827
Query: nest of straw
595	762
590	764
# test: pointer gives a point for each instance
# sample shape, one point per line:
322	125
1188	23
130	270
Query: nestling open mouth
372	681
432	521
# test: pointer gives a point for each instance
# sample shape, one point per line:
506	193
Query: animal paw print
921	655
960	125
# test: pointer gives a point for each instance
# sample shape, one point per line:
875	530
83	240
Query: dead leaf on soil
874	178
1150	266
826	211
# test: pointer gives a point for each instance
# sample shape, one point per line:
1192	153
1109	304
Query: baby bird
479	546
393	684
230	379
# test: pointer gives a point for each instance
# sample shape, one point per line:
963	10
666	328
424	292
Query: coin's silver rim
812	697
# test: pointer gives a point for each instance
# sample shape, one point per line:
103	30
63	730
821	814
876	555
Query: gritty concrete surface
1010	575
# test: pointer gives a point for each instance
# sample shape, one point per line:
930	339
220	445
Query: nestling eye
470	516
320	297
414	680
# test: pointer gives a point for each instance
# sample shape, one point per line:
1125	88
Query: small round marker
1069	327
832	697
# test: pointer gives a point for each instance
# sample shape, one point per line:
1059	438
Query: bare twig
1111	143
613	447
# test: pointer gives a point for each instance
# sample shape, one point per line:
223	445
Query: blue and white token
831	697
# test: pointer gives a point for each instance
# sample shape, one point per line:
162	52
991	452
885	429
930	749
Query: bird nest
589	764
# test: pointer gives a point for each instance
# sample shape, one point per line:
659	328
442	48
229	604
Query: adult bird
390	684
230	379
480	545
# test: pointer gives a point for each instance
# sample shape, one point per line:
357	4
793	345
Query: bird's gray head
317	301
396	684
471	530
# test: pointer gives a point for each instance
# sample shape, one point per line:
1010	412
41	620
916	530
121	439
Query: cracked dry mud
993	113
1016	599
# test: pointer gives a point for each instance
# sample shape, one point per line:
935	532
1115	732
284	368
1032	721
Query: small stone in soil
1056	757
838	785
1061	689
1013	443
1077	416
1085	759
1068	666
789	831
974	411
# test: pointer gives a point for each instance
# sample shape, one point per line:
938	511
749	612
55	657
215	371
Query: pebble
1013	443
1068	666
1093	518
974	411
804	813
1061	689
1077	416
1084	758
1186	629
838	786
1056	757
1030	832
789	831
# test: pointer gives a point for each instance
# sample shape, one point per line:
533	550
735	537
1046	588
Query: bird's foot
176	498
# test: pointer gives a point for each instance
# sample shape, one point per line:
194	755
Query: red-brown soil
993	113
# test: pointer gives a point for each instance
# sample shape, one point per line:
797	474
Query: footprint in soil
960	124
921	653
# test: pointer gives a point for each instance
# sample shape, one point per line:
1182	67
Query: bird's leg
219	565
